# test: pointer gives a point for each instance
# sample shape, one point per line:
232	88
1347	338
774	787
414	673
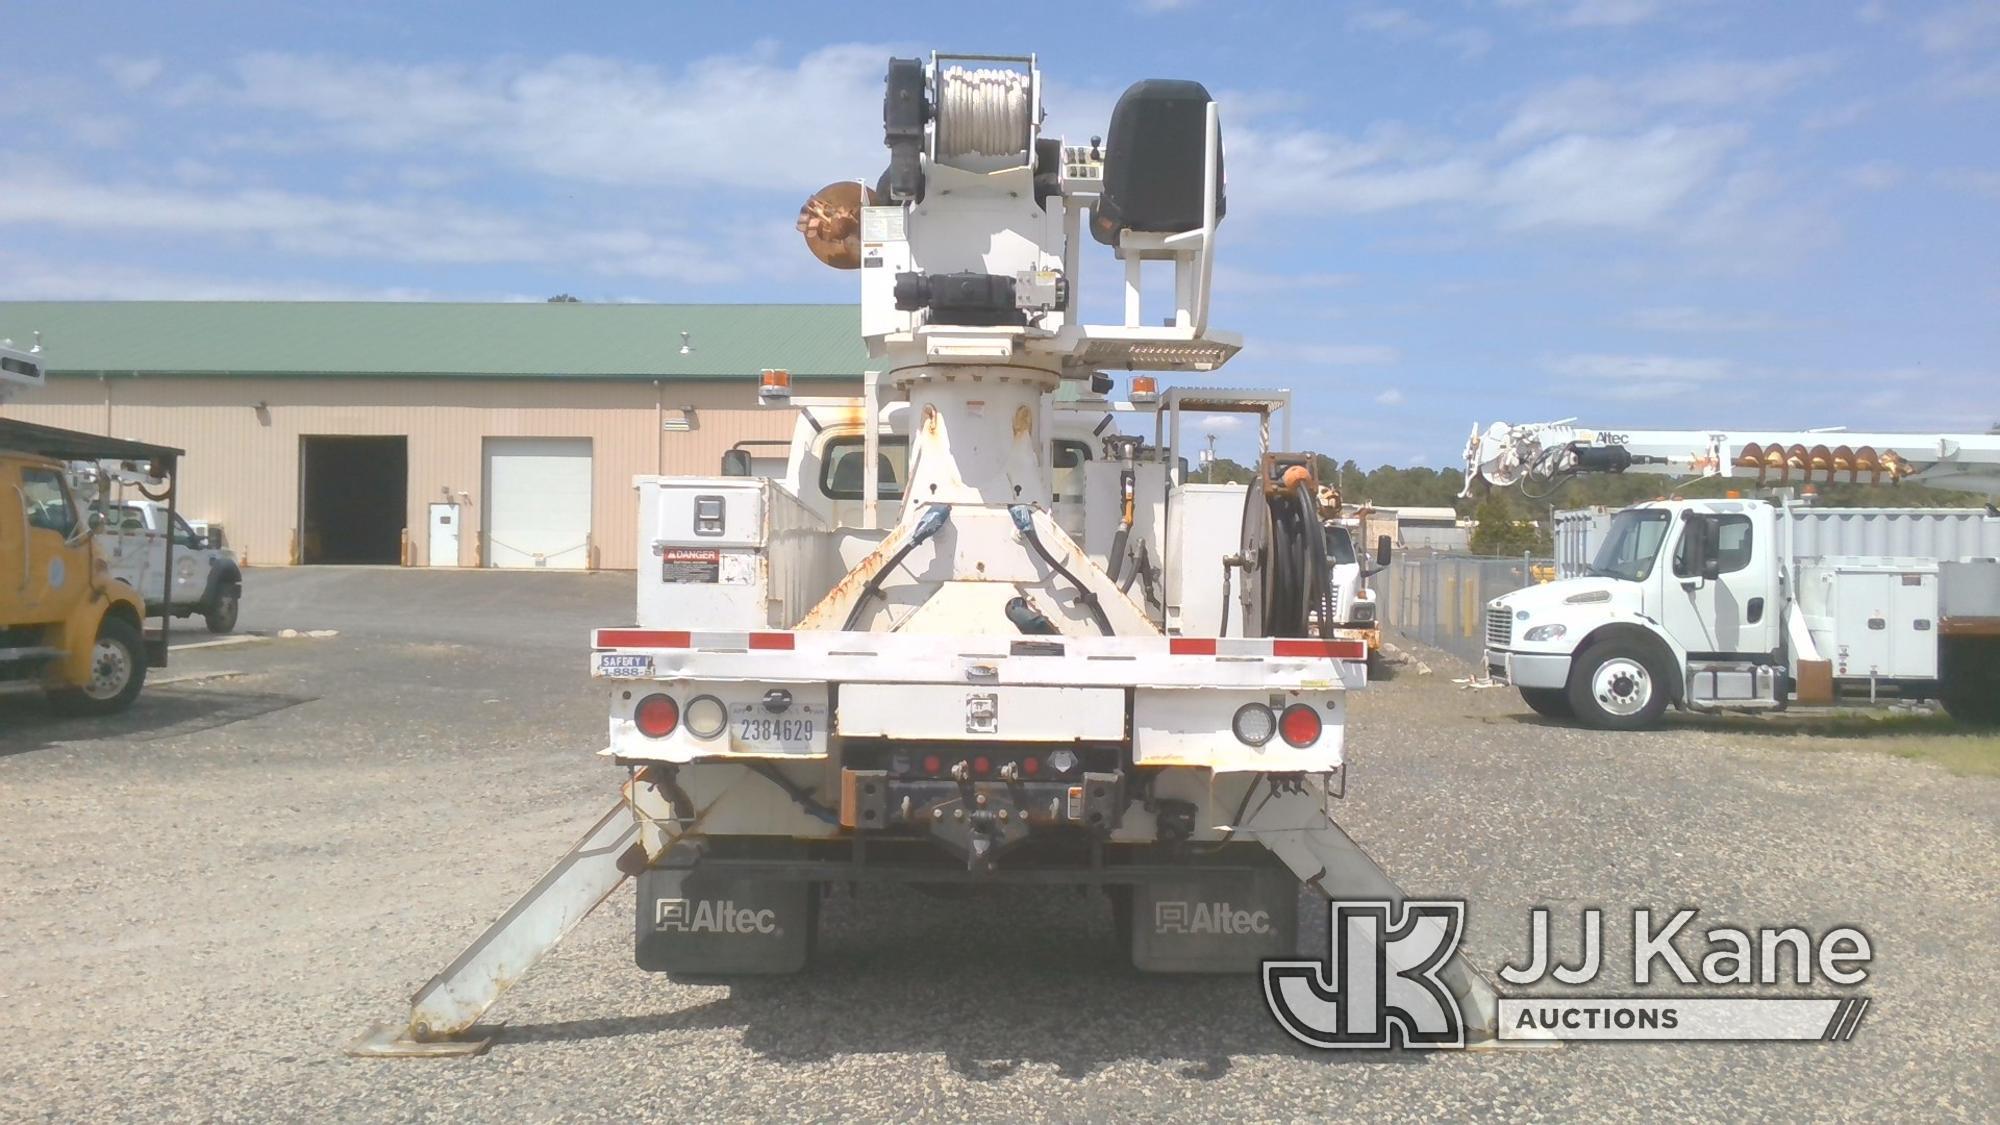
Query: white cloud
1960	27
1640	377
1838	116
1315	171
1611	181
747	121
25	278
1591	13
420	230
1405	25
1967	82
1330	355
1591	103
1873	175
1239	279
132	73
1976	181
1219	423
1688	319
1156	7
1390	397
1601	366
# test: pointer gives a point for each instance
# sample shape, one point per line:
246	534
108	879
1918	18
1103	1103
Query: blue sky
1638	212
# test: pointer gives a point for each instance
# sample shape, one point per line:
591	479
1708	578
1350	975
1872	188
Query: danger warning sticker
690	564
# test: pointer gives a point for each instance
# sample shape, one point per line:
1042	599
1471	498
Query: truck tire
1551	703
1617	685
220	612
117	672
1969	686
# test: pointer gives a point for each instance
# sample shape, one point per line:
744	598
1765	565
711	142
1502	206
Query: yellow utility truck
65	621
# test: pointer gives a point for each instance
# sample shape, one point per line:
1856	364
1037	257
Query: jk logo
1379	984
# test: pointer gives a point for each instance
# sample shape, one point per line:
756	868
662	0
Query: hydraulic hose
928	524
1024	521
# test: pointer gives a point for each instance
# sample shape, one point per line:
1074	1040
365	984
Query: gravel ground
205	898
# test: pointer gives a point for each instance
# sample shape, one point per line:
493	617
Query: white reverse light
705	716
1254	724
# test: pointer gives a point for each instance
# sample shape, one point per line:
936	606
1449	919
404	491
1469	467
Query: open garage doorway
353	498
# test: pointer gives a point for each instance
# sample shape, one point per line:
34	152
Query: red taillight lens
982	765
656	716
1031	766
933	765
1299	724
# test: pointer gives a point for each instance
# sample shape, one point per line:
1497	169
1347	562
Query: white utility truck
133	537
911	654
1741	604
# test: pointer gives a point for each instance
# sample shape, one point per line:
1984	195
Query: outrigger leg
444	1014
1294	826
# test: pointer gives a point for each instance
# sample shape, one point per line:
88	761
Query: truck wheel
1616	685
220	612
117	672
1550	702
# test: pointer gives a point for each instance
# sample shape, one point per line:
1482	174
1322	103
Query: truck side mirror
96	520
1381	550
736	463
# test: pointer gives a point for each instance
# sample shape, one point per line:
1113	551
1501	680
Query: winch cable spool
1288	577
983	112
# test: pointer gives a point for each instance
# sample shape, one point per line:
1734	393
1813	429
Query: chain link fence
1440	600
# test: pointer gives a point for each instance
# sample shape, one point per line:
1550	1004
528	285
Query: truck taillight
1299	724
982	765
1031	765
933	765
656	716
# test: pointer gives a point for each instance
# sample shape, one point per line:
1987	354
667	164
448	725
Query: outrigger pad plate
389	1041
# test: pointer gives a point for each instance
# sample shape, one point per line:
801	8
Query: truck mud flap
1223	920
698	923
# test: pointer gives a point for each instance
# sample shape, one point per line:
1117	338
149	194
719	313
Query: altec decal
710	916
1208	918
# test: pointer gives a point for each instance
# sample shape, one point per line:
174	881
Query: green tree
1499	530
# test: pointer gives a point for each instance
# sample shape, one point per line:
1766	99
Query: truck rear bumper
1529	669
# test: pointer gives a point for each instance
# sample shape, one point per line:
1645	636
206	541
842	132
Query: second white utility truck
1740	604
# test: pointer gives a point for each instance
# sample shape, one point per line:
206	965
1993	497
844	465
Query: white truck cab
1355	615
1704	604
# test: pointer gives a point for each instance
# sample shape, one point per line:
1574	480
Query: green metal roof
527	340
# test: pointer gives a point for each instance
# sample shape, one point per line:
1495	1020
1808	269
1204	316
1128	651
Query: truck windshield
1339	546
1632	545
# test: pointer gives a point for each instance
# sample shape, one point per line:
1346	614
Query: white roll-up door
538	503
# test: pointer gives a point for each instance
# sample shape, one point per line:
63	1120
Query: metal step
1734	684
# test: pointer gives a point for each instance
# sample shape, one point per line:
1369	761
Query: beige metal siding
242	436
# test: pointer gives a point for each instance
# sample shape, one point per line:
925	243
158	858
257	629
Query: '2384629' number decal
762	728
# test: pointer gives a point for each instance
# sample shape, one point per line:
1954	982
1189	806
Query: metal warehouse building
431	434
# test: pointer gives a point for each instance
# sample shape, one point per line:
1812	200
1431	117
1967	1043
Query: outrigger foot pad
392	1041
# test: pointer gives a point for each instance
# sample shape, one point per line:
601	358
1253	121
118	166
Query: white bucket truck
1741	604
